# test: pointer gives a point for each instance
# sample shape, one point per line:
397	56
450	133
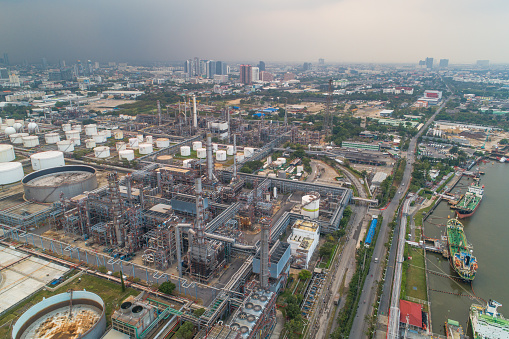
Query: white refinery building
303	242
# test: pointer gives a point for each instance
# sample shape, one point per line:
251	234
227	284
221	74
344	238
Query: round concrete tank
10	172
146	148
162	142
66	127
120	146
50	318
33	127
248	152
65	146
201	153
30	141
133	142
102	152
9	131
221	155
119	135
127	154
196	145
7	153
48	159
311	205
17	138
185	151
10	122
90	143
78	128
240	156
149	139
45	185
91	129
18	126
229	149
51	138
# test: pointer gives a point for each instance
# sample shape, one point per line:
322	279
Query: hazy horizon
344	31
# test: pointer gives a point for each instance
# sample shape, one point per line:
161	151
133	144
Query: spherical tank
33	127
146	148
66	127
10	172
185	151
248	152
17	138
9	131
196	145
229	150
120	146
52	138
45	185
30	141
127	154
91	129
18	127
48	159
7	153
133	142
162	142
119	135
65	146
102	152
221	155
201	153
50	318
311	205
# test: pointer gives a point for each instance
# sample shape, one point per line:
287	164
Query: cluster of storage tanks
221	154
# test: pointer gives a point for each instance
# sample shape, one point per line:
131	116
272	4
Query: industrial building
303	242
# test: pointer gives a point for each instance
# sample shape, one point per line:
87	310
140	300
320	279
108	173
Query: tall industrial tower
264	254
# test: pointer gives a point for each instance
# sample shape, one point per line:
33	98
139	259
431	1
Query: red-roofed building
414	312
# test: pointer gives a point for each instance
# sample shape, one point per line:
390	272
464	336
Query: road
368	294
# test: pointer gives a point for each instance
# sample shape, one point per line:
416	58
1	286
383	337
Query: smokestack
210	164
198	226
234	157
159	112
195	113
264	254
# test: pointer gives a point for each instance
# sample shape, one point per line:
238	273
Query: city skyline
367	31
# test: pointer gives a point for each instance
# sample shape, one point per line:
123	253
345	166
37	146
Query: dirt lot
107	104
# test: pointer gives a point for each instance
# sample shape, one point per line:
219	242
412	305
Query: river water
488	231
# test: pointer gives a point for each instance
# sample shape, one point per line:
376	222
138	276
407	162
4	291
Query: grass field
109	291
415	284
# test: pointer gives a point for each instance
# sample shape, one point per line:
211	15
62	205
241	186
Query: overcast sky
245	30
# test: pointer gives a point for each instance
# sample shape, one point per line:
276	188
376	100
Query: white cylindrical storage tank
185	151
196	145
229	149
187	163
133	142
66	127
10	122
215	147
201	153
140	138
65	146
90	143
146	148
17	138
48	159
102	152
127	154
7	153
18	127
33	127
282	160
99	138
78	128
162	142
221	155
248	152
149	139
11	172
3	127
120	146
119	135
72	134
30	141
107	132
9	131
311	205
51	138
240	156
91	129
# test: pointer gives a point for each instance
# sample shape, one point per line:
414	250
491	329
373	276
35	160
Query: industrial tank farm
47	184
54	318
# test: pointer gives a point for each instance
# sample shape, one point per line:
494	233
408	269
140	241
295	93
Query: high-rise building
210	69
261	66
80	70
245	74
66	74
255	74
90	69
321	61
221	68
429	63
444	63
61	64
266	76
4	74
44	63
203	68
196	66
307	66
6	59
188	65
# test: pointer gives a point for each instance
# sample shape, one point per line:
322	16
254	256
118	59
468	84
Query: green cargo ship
487	323
460	252
468	204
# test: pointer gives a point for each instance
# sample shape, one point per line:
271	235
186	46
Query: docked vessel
460	252
454	330
487	323
468	204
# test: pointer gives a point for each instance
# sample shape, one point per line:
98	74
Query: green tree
186	330
199	312
122	282
167	287
504	142
304	275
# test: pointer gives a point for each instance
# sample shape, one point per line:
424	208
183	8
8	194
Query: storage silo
162	142
221	155
47	159
311	205
7	153
65	145
30	141
102	152
196	145
10	172
201	153
185	151
51	138
127	154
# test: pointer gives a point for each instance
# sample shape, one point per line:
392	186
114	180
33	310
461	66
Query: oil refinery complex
166	206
